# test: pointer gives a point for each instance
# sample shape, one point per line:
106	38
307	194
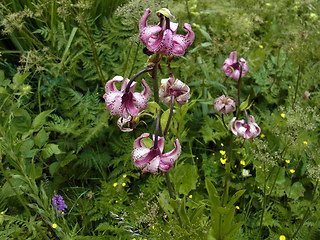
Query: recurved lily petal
123	121
245	129
181	43
126	103
163	39
168	159
171	87
152	159
232	67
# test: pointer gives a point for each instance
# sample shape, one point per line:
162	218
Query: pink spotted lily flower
245	129
171	87
163	39
152	159
126	102
232	67
224	104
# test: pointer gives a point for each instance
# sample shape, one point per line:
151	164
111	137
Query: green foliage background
57	137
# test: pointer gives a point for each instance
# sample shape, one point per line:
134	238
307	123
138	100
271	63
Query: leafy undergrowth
56	136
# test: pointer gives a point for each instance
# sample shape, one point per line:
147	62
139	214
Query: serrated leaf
49	150
40	120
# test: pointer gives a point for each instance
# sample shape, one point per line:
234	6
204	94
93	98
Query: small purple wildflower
58	204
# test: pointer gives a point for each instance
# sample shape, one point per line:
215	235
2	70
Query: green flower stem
264	198
225	195
297	86
169	118
134	59
224	123
155	84
239	86
167	175
135	76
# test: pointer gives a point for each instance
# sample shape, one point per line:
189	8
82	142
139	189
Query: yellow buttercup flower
292	170
123	184
282	115
223	160
282	237
288	161
261	46
262	135
305	142
124	175
54	225
115	184
190	196
242	162
237	207
222	152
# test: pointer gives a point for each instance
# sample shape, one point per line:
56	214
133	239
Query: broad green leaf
21	121
164	202
235	198
54	167
213	194
69	158
41	138
205	34
185	178
183	212
154	108
295	191
164	118
244	104
197	214
40	120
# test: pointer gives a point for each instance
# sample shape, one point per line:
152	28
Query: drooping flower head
171	87
58	204
162	38
224	104
232	67
126	102
245	129
152	159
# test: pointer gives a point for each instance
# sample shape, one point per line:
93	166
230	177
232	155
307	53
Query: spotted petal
168	159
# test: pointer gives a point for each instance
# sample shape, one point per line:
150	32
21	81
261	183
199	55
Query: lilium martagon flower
224	104
151	159
232	67
245	129
126	102
162	38
171	87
